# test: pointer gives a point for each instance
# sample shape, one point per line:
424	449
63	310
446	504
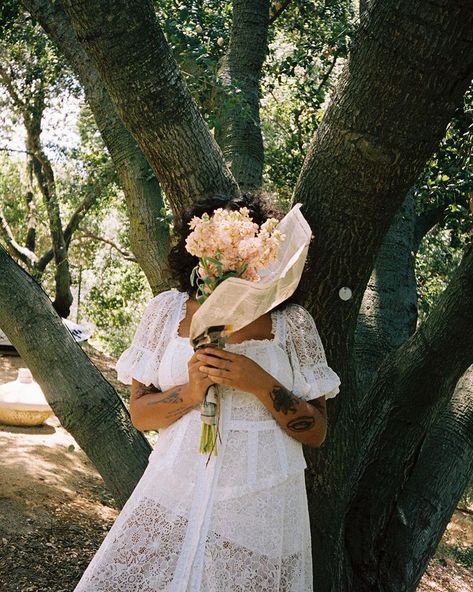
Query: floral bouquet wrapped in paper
227	244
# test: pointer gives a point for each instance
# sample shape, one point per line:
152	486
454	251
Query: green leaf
215	262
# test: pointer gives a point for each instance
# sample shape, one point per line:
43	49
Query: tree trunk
30	240
143	80
374	140
149	237
429	497
16	250
388	313
425	222
76	218
412	388
44	175
85	403
239	134
407	72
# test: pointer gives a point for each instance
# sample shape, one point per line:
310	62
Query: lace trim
135	362
142	358
184	296
313	377
321	380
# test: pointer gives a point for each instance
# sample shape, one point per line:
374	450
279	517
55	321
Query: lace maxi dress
241	524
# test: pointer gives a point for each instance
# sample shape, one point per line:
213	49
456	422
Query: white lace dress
240	524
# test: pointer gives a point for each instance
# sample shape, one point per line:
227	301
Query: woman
241	522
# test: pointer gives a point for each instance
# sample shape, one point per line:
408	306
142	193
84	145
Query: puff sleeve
313	377
141	360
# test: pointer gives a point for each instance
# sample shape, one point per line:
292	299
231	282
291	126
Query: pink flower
229	241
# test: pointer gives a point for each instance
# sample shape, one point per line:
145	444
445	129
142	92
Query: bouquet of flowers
227	244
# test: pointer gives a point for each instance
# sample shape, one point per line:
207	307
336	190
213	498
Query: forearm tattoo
173	397
176	413
285	401
301	424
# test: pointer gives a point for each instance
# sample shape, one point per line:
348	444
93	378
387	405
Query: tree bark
364	6
412	388
388	312
425	222
429	497
149	237
239	134
30	241
372	144
85	403
143	80
76	218
374	140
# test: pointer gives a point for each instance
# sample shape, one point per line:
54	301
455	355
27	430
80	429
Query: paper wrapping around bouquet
238	302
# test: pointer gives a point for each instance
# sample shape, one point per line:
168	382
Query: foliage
309	43
36	71
306	42
112	302
435	264
197	32
446	184
12	190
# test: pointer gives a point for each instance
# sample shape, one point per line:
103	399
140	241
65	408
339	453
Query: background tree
149	235
31	74
388	454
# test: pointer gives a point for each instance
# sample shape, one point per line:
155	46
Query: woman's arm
152	409
305	421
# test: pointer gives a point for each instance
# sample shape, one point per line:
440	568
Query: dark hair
180	262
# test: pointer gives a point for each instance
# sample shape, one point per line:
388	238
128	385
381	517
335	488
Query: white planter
22	401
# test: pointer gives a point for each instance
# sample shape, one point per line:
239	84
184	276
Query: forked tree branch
144	82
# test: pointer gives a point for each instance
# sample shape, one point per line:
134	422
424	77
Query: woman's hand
233	370
199	381
301	420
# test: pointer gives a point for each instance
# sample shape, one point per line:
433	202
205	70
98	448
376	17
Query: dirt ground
53	506
55	511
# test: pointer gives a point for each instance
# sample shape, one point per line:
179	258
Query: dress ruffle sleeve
142	358
313	377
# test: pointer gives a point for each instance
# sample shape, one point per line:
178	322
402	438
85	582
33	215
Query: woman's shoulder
296	312
164	302
170	295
